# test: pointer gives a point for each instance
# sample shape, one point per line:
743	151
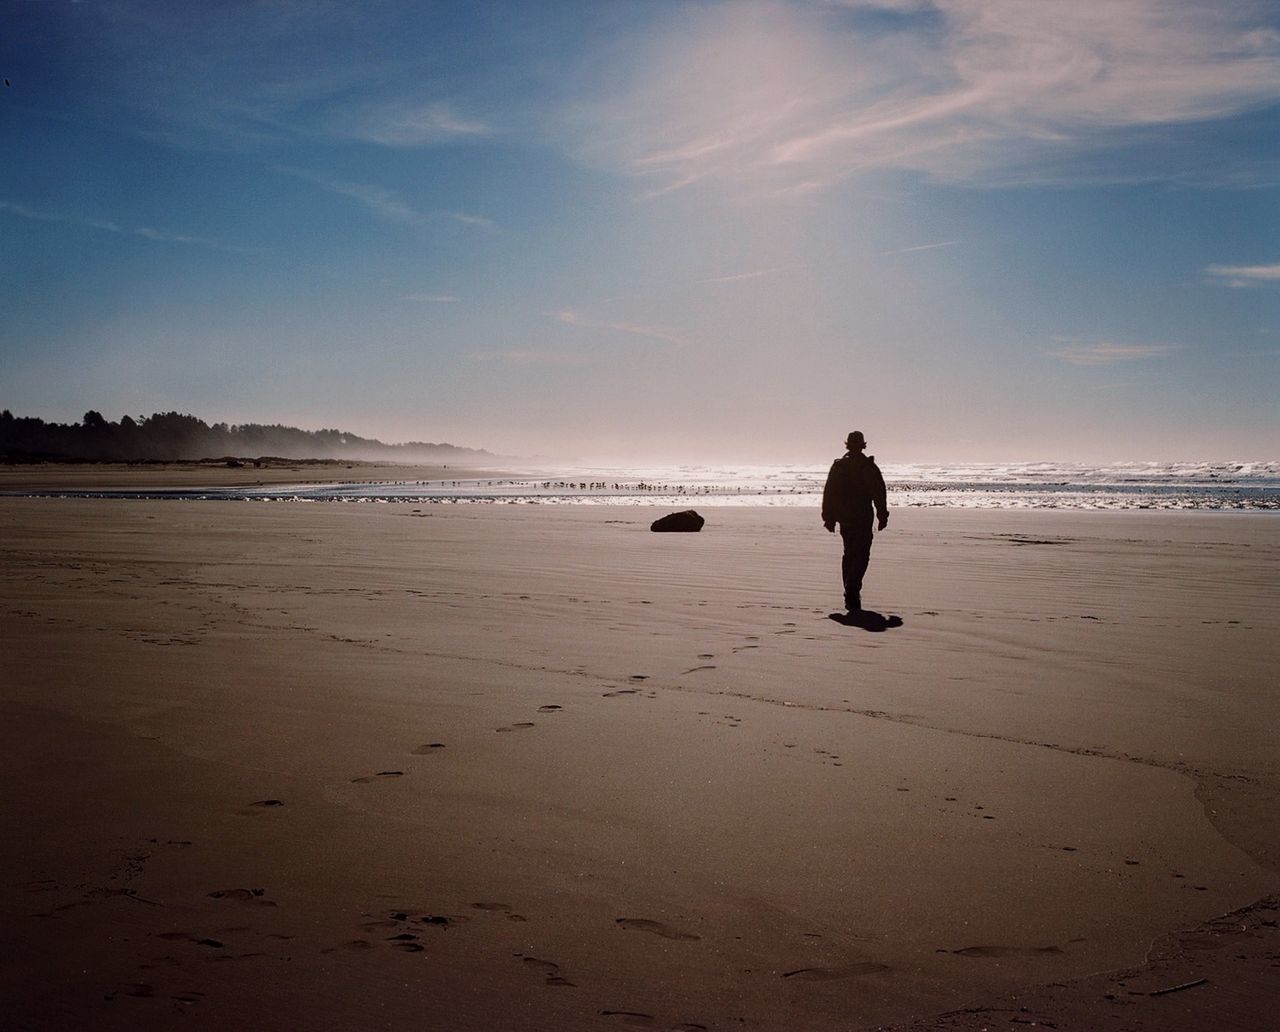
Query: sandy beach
291	765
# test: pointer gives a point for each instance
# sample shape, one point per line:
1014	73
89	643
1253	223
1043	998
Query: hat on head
855	441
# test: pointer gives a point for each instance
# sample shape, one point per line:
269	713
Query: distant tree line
172	436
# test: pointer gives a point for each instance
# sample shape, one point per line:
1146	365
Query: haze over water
1232	486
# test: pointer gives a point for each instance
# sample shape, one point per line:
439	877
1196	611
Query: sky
977	230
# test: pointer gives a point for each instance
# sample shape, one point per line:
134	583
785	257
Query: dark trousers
853	565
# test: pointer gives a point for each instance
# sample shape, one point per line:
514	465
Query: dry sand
290	765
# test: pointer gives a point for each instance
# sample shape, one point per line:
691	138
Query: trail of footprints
409	931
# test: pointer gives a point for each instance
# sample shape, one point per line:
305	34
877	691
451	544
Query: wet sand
133	476
504	767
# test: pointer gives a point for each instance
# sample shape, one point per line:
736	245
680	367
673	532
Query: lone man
854	487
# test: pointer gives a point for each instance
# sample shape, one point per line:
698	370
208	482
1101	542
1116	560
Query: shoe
853	605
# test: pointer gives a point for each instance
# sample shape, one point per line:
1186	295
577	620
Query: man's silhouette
853	491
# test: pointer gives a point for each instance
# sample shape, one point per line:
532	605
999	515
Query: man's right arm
829	506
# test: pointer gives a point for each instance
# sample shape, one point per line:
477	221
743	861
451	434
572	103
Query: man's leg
853	565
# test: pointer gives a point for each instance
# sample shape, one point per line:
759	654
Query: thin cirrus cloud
737	277
385	203
402	124
1244	275
789	98
919	247
572	317
1108	353
267	75
106	225
439	299
528	357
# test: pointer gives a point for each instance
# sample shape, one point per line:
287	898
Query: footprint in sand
550	971
551	707
520	726
629	1017
642	924
501	908
866	967
694	670
189	937
253	809
1006	951
374	777
427	748
243	896
620	691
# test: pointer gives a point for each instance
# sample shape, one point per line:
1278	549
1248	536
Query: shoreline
702	798
210	473
328	480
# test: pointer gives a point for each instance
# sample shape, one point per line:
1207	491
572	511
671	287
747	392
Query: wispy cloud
440	299
919	247
406	124
1107	353
572	317
107	226
467	219
528	357
1244	275
795	97
385	203
266	75
739	276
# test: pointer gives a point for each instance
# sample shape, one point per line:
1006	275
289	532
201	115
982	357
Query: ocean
1177	486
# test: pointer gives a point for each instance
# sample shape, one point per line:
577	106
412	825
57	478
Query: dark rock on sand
687	521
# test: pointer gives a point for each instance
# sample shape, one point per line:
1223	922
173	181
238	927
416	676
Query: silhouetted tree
173	435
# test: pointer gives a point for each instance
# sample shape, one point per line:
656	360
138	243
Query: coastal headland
521	767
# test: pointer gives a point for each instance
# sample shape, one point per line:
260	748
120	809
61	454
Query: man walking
854	488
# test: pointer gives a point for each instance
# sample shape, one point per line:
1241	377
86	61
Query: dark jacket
853	486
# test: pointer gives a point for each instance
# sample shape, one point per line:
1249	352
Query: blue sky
975	229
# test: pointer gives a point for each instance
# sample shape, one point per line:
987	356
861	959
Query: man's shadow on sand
868	620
